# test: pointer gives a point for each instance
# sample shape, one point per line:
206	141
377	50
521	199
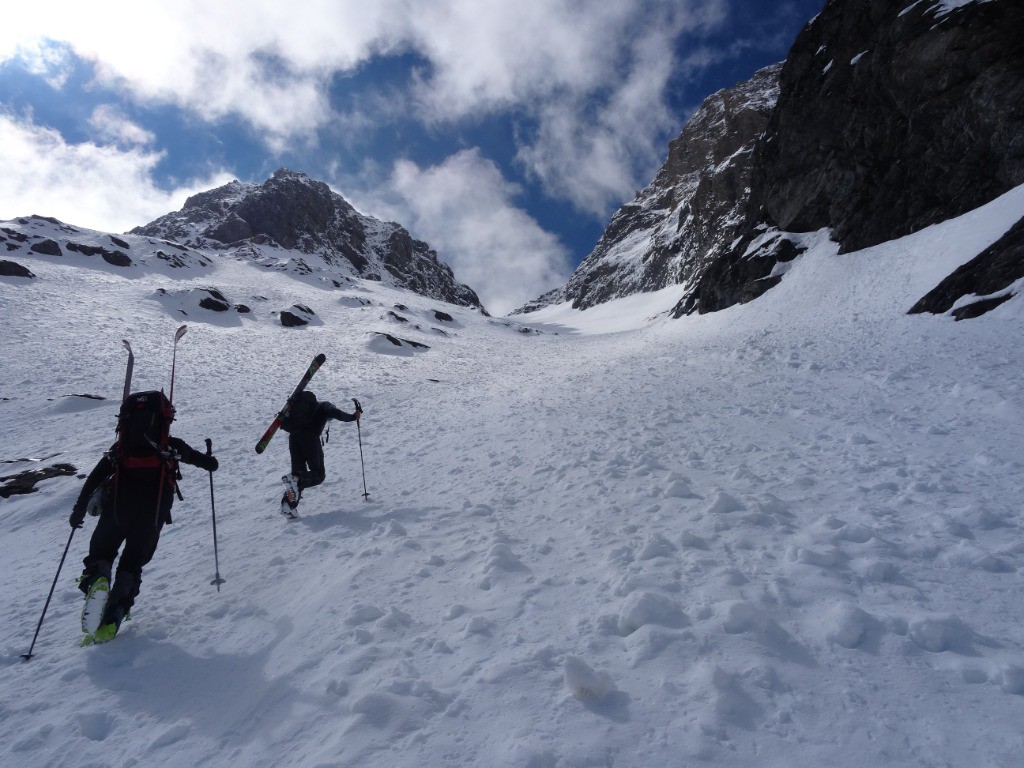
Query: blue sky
503	134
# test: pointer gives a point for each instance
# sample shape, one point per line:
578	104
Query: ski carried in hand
276	423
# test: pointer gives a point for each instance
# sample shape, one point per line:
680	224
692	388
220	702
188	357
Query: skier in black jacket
305	448
128	515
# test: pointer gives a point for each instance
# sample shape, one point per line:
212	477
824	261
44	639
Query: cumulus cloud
111	125
588	76
466	210
91	185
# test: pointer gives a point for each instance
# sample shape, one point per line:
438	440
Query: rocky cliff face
891	116
692	209
297	222
886	117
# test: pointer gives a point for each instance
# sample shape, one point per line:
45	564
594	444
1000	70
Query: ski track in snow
780	535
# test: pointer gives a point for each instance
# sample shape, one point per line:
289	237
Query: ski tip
320	359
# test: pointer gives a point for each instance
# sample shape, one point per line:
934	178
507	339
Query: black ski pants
307	456
133	522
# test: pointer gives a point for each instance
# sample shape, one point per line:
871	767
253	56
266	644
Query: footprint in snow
723	503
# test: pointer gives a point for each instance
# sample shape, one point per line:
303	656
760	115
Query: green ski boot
95	603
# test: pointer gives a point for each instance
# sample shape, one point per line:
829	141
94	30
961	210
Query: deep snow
786	534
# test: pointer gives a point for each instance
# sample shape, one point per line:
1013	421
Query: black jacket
324	412
139	484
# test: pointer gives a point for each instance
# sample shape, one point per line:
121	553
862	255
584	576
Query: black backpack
143	430
299	415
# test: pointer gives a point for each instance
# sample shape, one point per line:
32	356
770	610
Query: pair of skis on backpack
99	626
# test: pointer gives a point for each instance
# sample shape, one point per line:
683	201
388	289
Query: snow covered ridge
296	224
784	534
183	276
941	8
49	237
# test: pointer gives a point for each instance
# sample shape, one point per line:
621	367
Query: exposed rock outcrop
890	117
991	274
886	117
13	269
293	214
672	229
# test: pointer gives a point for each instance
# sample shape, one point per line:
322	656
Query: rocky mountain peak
690	210
890	117
293	219
886	117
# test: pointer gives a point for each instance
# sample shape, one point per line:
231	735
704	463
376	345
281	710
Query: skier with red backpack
131	489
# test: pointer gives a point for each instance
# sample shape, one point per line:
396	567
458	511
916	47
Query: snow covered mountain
886	117
690	212
294	223
783	534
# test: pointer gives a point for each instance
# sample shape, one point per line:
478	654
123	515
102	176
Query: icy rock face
990	274
894	116
689	212
298	221
885	118
890	117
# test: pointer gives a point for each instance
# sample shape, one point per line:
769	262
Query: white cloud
592	72
465	209
111	125
591	153
89	185
51	62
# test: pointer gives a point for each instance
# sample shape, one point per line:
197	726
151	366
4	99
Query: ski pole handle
359	408
209	446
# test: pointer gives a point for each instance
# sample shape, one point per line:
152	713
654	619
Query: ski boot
290	500
96	593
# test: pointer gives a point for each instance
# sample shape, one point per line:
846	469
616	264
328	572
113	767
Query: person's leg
313	453
103	546
139	547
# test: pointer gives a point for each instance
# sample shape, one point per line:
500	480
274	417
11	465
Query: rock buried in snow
291	320
13	269
585	683
386	344
25	482
298	316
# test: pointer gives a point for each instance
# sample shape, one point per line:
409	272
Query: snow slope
786	534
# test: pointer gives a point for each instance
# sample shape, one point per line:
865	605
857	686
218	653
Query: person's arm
190	455
336	413
95	479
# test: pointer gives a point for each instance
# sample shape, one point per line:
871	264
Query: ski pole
359	432
27	656
213	511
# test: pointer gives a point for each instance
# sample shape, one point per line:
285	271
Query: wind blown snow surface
786	534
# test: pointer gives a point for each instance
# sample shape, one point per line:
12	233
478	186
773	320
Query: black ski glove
77	518
208	461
